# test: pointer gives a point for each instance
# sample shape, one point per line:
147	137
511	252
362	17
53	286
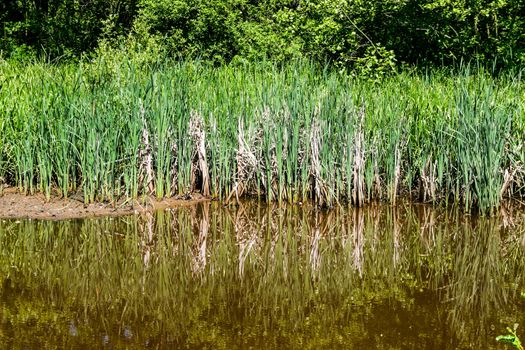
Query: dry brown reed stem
272	182
428	179
320	192
514	171
247	165
358	190
397	175
146	172
199	163
508	178
173	169
507	218
377	178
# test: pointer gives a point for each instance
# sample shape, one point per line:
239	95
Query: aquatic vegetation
511	338
111	129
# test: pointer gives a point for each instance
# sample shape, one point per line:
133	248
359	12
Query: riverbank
15	205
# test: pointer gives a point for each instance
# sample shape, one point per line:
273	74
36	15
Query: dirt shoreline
15	205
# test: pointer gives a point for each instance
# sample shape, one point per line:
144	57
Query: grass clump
110	129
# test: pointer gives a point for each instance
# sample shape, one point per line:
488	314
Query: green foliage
60	28
222	30
372	37
375	64
282	132
350	33
241	30
511	338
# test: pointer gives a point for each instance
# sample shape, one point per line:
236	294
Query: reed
122	128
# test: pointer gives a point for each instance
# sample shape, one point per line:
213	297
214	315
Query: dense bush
370	35
224	30
60	28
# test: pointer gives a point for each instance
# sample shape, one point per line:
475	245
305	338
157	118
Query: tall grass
267	275
116	127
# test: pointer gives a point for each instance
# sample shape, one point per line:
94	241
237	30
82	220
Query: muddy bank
14	205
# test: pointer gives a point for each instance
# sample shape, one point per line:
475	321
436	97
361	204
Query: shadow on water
405	277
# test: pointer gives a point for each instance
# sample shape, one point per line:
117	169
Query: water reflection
251	275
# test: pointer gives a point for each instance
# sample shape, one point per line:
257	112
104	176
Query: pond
264	277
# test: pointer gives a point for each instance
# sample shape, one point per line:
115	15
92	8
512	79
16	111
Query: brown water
258	276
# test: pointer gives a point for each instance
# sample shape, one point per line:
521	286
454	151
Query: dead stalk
508	178
199	164
319	189
173	169
146	172
428	178
358	190
397	175
247	165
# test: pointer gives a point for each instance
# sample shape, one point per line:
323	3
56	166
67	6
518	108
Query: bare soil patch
15	205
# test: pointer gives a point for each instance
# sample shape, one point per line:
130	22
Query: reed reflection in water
250	275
